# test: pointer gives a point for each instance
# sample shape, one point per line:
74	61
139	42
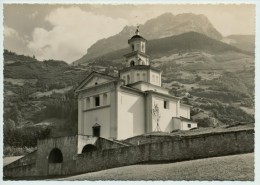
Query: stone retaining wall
172	149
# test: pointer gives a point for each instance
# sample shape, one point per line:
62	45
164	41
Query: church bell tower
138	68
137	55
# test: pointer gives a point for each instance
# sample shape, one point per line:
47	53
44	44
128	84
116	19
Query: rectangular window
97	101
166	104
189	125
96	131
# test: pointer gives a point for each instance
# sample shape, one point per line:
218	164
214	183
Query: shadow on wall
138	113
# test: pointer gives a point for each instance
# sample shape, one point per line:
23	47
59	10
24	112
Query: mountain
160	27
244	42
191	41
215	78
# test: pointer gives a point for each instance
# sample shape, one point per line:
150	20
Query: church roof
94	73
140	67
136	52
136	37
163	95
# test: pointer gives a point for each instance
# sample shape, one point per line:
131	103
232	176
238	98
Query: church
119	120
131	104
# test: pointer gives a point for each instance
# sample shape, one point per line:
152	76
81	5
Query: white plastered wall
184	111
186	123
165	122
131	114
155	78
94	116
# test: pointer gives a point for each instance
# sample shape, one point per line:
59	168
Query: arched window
143	48
138	47
138	76
133	47
96	130
55	156
132	63
140	61
89	148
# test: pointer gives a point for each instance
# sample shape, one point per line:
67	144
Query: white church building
121	107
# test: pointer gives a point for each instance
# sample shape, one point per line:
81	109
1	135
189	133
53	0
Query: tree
9	125
16	115
156	116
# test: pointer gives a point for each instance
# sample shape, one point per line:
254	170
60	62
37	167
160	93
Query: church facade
122	107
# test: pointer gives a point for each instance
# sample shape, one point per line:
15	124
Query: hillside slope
244	42
234	167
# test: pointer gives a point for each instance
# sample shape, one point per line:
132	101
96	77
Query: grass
234	168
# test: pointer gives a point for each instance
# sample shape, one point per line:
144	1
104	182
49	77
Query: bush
25	137
17	151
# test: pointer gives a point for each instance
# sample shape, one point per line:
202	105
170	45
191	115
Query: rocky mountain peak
165	25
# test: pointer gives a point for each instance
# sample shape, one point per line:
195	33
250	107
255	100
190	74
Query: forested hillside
215	78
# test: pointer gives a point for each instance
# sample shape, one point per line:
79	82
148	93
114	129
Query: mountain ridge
177	44
244	42
162	26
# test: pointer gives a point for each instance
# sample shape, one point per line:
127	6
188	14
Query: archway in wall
132	63
55	156
89	148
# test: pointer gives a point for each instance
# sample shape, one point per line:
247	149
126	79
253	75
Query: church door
96	131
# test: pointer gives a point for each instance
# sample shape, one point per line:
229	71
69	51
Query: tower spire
137	30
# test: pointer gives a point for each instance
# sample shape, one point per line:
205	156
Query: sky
65	32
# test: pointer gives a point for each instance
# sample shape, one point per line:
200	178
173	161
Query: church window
132	63
153	78
157	79
133	47
142	47
140	61
189	125
96	130
138	47
166	104
138	76
97	101
128	79
144	77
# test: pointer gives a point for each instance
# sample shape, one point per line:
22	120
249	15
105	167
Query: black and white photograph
128	91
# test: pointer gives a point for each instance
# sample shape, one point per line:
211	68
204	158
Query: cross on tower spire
137	30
